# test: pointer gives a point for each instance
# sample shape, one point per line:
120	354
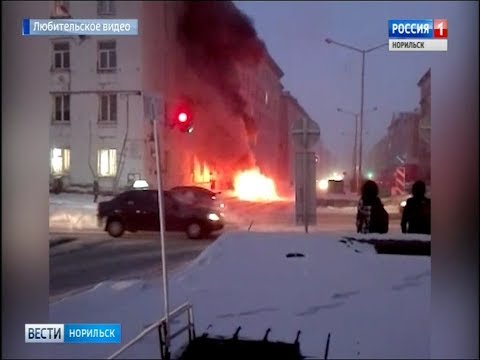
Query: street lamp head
328	40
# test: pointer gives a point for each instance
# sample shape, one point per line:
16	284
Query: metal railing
161	327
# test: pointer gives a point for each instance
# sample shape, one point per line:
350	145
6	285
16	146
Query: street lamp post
363	52
355	147
355	165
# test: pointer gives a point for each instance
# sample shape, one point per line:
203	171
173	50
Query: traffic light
183	119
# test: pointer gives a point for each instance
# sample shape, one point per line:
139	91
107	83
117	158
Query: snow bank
76	200
397	237
352	210
73	219
387	200
74	211
374	306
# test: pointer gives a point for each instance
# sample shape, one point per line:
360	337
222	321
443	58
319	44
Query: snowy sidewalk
371	304
73	212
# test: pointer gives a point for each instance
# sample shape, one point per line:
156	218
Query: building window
61	55
108	108
105	8
107	162
107	55
61	108
60	161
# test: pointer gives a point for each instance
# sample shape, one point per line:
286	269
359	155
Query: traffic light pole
162	239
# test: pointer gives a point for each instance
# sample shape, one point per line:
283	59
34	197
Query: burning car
197	195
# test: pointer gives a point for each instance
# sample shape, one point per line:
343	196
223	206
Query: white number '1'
440	27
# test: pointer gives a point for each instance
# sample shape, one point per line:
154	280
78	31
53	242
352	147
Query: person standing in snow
371	215
416	214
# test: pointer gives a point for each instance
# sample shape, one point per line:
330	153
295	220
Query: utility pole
360	150
362	97
355	156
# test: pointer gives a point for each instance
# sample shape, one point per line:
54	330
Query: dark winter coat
371	216
416	216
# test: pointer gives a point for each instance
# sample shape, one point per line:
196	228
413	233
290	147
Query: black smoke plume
216	38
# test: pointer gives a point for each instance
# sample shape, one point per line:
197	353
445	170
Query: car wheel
115	228
194	230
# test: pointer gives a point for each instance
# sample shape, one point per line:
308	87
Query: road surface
280	216
90	256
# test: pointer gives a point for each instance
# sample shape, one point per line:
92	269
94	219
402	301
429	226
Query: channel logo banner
73	333
418	35
69	27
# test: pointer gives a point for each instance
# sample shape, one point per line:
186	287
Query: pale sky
325	77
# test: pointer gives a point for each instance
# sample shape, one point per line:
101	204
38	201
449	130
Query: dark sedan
137	210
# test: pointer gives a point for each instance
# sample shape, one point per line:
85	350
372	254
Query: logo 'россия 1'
418	35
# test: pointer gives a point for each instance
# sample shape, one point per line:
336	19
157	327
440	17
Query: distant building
407	141
292	112
425	124
403	138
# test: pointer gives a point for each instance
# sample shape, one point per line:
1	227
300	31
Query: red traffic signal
183	119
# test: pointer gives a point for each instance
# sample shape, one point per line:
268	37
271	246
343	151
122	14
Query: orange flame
252	185
201	172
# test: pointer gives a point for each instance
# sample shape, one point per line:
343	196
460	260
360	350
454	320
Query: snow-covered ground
351	210
74	211
374	306
392	201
